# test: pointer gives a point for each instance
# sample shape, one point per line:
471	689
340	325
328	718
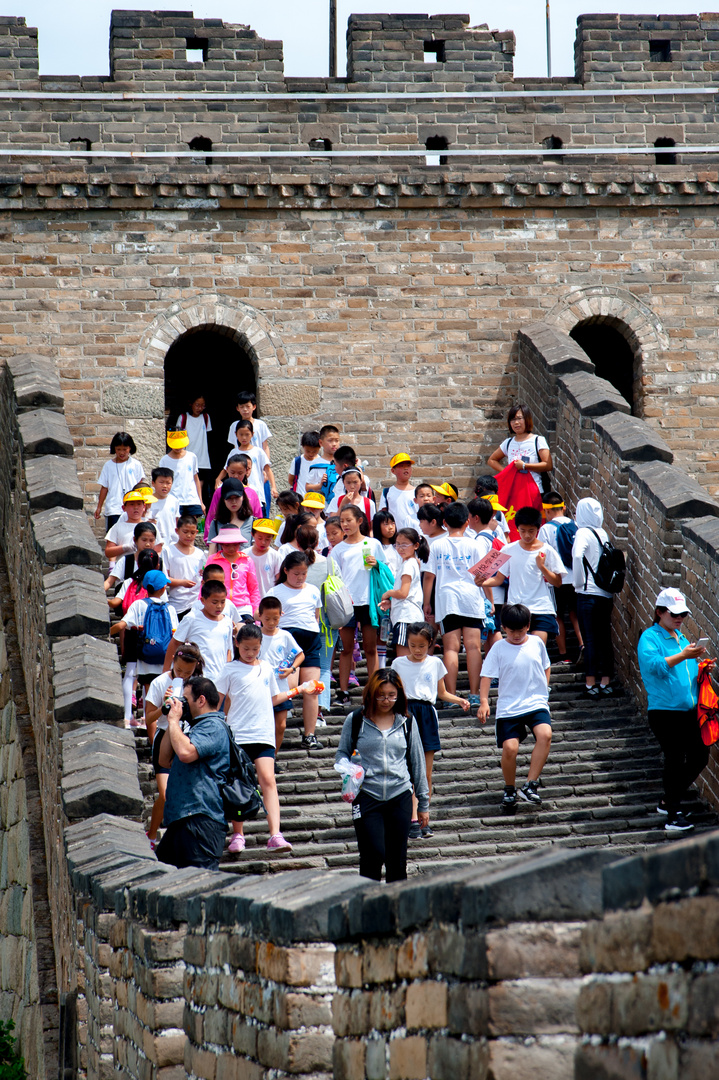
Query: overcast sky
74	33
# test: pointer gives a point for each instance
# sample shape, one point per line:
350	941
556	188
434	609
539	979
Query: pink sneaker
278	843
237	843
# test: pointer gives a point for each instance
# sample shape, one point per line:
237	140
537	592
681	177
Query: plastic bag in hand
352	775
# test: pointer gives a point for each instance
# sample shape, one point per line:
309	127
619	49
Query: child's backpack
133	592
609	574
296	466
156	633
565	533
337	606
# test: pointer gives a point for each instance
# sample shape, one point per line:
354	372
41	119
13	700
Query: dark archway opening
211	364
612	355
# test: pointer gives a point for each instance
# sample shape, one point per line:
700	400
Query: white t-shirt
393	557
528	451
214	640
122	532
189	567
118	477
163	515
354	573
335	508
587	545
250	687
260	434
409	610
317	573
456	592
275	650
527	583
420	681
197	434
185	470
521	670
135	618
303	477
401	506
256	478
156	693
299	607
229	610
266	569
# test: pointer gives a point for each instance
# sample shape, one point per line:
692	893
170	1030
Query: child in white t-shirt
400	498
260	471
265	557
215	572
165	511
186	486
210	629
197	424
404	600
247	408
534	570
521	664
303	464
250	690
183	562
423	681
118	475
283	654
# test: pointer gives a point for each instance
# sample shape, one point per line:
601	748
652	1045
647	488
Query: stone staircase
600	788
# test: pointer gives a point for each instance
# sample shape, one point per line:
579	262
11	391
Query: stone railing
664	521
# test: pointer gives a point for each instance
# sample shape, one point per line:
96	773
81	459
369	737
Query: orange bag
707	707
516	489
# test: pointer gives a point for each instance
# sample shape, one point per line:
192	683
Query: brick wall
666	524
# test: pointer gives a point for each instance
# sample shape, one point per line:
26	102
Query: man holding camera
199	762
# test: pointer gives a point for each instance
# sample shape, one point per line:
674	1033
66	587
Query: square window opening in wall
664	157
434	52
80	144
196	50
436	143
202	145
553	142
660	52
320	144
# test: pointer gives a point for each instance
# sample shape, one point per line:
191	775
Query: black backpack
609	574
241	798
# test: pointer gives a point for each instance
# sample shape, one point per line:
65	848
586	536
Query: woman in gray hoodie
392	757
594	605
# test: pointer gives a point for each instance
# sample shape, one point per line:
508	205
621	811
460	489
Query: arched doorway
610	345
210	362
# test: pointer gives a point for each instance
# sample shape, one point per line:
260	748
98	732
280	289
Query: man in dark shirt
199	762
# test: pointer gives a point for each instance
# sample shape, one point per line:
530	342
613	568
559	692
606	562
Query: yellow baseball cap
401	459
265	525
313	498
495	503
445	489
133	496
177	439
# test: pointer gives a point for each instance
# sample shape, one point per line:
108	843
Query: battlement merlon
149	52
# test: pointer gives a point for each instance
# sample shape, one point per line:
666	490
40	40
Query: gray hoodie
384	759
589	516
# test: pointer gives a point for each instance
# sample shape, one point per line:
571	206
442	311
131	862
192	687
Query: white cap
673	601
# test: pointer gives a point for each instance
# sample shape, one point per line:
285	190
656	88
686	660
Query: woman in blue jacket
668	663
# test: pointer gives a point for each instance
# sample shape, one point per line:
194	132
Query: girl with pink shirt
239	571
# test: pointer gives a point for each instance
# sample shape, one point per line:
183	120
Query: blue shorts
255	750
360	618
546	623
191	508
156	753
310	642
518	727
425	714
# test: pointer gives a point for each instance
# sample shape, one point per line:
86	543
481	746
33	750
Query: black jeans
193	841
595	622
382	830
685	755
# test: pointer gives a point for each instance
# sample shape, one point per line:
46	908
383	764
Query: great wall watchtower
404	251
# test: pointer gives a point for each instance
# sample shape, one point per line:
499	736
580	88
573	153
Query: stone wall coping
65	536
685	868
43	431
632	438
674	493
560	355
52	481
593	396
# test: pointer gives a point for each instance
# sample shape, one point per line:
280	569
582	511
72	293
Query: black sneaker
426	831
530	794
509	799
311	742
342	697
415	833
662	808
677	823
591	692
607	691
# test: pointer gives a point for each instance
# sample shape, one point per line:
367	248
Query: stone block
52	481
698	1059
457	1059
593	396
468	1009
348	1060
64	536
622	941
673	491
294	967
43	431
75	602
136	398
426	1005
704	1004
633	439
533	1007
647	1003
87	680
408	1058
686	930
526	949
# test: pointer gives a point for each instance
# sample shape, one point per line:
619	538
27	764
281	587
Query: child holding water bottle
283	654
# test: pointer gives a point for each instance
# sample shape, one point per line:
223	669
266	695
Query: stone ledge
633	439
65	536
52	481
559	353
44	432
38	388
105	843
75	603
99	766
86	680
674	491
680	869
593	396
704	532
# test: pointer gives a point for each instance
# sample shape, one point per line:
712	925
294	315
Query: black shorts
399	633
361	617
156	752
310	642
425	714
518	727
566	599
547	624
197	840
460	622
255	750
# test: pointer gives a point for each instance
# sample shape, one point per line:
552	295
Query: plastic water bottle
366	553
287	662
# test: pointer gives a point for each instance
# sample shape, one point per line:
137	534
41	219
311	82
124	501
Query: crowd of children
207	582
